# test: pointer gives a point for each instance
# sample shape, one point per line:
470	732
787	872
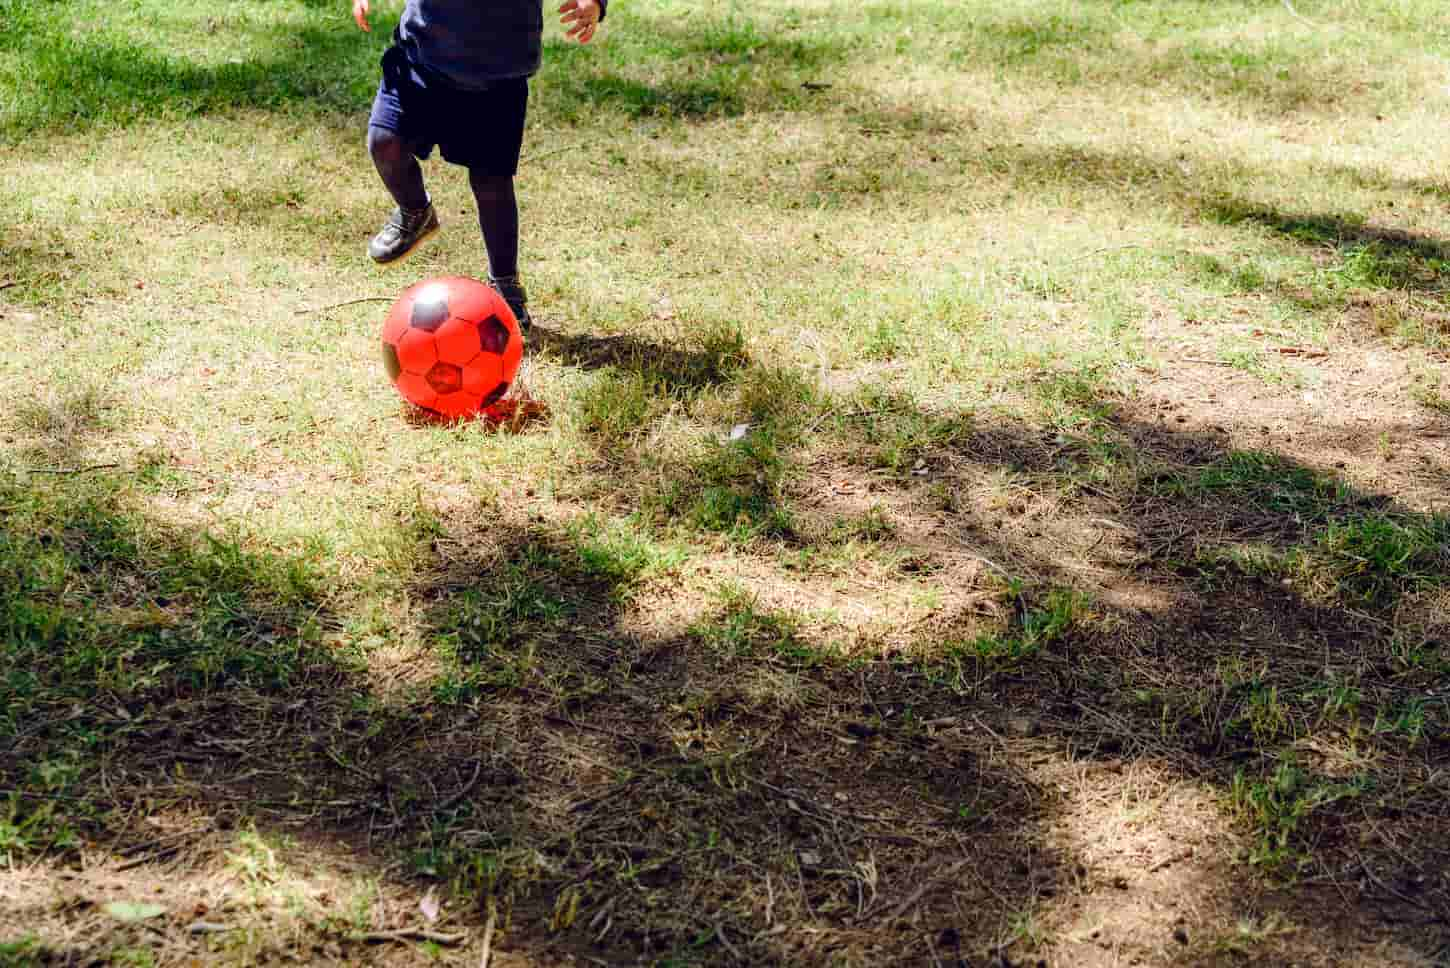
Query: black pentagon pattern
390	361
495	395
494	335
477	332
430	310
445	378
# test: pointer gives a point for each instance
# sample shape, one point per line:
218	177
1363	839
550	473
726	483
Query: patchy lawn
991	506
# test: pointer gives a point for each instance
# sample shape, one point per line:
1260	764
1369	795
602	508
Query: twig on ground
931	947
991	564
603	913
564	721
920	892
990	731
1398	895
488	936
414	934
463	791
824	808
40	796
800	883
147	845
8	283
70	470
535	159
609	794
1204	360
1173	858
1158	549
160	854
1109	248
720	933
208	927
350	302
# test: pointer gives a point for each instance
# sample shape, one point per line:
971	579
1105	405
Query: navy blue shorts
481	130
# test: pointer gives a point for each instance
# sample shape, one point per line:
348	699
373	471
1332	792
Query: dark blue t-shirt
472	43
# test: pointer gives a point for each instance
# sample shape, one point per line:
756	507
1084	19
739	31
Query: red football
452	346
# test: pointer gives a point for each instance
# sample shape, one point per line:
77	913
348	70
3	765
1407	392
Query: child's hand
360	14
581	17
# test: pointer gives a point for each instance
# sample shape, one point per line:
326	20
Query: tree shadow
676	794
636	790
79	81
723	760
1378	257
1249	619
1227	583
658	67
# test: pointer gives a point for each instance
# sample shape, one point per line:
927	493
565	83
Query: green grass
744	627
1280	807
1340	549
1026	409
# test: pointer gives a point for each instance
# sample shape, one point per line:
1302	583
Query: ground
989	505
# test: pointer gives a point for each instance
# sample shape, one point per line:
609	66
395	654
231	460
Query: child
457	76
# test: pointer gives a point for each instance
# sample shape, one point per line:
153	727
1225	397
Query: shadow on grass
683	789
712	359
1375	257
1156	596
1388	282
692	789
654	65
82	80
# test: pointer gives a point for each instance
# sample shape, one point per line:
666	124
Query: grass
1002	439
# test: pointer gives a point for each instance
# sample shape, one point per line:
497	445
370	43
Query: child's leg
400	171
498	217
489	149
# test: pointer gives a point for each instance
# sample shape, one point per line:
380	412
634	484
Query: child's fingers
579	23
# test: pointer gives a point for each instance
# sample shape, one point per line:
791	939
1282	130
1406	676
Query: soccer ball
451	346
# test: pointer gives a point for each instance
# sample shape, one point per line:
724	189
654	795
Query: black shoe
513	293
402	232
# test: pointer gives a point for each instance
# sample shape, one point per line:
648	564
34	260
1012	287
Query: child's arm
580	16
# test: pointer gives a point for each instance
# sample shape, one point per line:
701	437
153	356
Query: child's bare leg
400	171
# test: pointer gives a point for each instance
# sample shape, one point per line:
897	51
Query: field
993	504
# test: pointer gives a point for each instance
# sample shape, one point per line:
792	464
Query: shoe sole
410	249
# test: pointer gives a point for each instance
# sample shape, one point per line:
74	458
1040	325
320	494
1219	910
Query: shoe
513	293
402	232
